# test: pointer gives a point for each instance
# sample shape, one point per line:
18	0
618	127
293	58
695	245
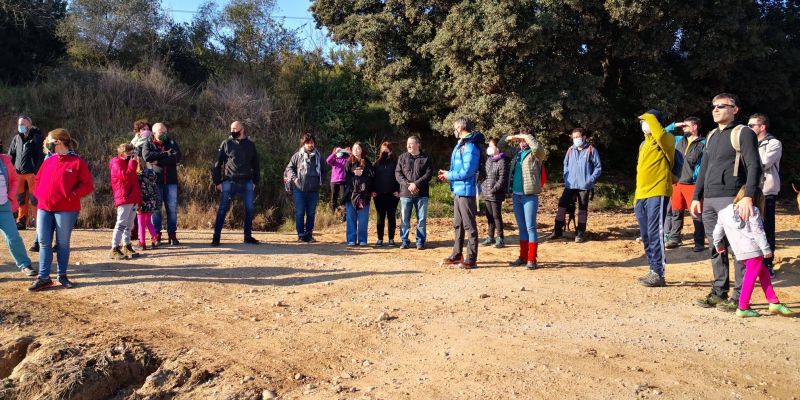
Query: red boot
533	249
523	254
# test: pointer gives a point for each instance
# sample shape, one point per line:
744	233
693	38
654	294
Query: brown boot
129	251
117	254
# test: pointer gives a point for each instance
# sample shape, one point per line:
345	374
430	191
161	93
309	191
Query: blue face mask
578	142
22	129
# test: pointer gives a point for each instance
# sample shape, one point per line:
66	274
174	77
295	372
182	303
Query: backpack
735	133
569	152
480	142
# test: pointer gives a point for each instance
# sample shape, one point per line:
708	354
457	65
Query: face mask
578	142
645	127
162	137
51	147
385	154
22	129
235	134
524	146
490	151
145	134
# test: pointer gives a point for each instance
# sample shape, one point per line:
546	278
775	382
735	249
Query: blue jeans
650	213
14	241
421	206
169	196
357	221
305	210
525	209
48	222
230	189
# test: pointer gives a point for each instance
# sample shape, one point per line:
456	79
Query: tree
556	64
101	31
29	42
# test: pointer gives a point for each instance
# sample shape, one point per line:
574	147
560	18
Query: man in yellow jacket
653	190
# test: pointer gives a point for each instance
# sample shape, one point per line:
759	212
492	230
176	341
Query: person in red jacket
127	196
62	181
8	204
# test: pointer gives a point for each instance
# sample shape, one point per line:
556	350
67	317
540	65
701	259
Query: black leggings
386	206
494	216
337	189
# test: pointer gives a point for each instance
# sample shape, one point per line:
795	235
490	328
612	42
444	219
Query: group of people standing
728	181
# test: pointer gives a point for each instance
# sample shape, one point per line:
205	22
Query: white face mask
645	127
578	142
491	151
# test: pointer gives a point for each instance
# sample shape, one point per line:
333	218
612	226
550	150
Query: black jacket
692	156
26	151
237	161
414	169
358	186
164	164
495	185
385	182
716	169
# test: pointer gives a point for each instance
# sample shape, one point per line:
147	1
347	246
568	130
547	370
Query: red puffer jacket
124	182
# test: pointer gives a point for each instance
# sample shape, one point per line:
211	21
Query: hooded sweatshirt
656	156
769	150
747	238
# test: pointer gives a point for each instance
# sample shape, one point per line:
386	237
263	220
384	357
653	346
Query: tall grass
99	106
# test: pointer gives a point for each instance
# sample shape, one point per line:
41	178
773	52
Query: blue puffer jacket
581	168
464	163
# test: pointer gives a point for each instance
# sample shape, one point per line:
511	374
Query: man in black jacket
164	155
717	184
414	171
236	172
27	155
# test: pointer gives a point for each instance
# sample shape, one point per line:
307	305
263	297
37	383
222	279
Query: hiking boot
553	236
404	245
21	225
310	239
729	305
420	246
781	309
453	260
499	243
709	301
488	241
65	282
517	263
468	265
698	249
531	265
34	247
40	283
117	254
215	242
579	238
672	244
251	240
173	239
392	243
653	280
129	251
749	313
379	243
28	271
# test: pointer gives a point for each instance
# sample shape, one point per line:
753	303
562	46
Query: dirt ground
294	320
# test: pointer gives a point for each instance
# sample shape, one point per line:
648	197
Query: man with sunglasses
717	185
769	151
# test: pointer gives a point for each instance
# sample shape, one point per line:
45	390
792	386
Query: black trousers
567	202
386	206
769	226
494	216
337	189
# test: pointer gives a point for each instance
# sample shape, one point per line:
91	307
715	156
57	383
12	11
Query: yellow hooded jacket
656	156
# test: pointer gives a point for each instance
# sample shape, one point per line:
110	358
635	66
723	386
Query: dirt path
303	321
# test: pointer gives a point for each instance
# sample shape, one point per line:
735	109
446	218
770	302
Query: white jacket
770	150
747	239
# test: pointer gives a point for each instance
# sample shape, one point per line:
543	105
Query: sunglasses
722	106
752	125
